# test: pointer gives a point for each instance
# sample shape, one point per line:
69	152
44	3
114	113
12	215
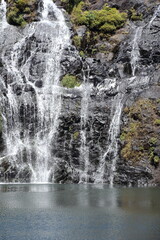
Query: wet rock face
106	77
69	138
150	44
140	142
71	62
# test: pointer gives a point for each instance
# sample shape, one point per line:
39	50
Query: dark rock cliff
104	62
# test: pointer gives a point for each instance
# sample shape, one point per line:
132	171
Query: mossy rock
76	135
157	122
140	135
70	81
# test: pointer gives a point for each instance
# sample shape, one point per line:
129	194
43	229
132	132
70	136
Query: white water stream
84	149
109	158
29	143
43	109
154	16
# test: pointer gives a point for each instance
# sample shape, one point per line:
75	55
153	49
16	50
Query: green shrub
12	15
70	81
17	10
105	20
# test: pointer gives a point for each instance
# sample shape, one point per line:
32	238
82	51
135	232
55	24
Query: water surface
78	212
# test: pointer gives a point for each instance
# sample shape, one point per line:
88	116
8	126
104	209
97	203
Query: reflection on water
78	212
49	195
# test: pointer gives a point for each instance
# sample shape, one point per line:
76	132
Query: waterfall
31	116
135	49
84	149
3	21
154	16
109	159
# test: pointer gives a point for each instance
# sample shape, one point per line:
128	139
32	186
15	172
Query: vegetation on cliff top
106	20
20	12
140	136
100	25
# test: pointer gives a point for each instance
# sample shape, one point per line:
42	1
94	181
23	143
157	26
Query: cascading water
31	116
3	22
31	103
84	149
135	49
112	151
109	159
154	16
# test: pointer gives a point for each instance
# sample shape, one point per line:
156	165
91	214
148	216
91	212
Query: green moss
122	136
82	54
70	81
140	135
68	5
157	122
27	10
75	135
156	159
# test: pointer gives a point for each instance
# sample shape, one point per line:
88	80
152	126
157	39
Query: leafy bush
105	20
17	11
70	81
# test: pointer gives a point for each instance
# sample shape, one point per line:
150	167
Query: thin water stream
29	144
